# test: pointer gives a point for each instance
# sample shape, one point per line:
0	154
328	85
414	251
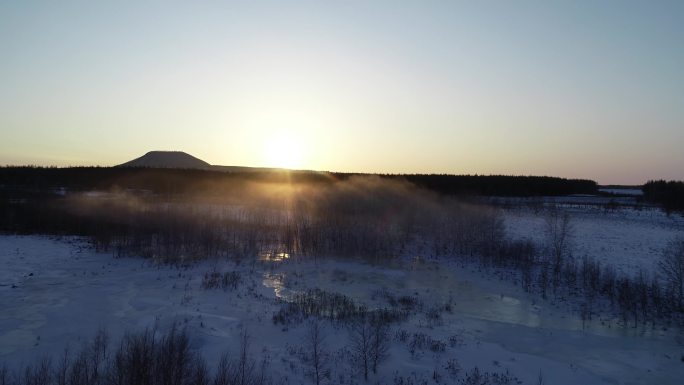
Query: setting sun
284	150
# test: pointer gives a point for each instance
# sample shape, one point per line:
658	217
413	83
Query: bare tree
4	375
38	374
200	373
379	342
99	354
559	230
318	357
360	338
671	266
225	373
80	370
543	278
245	366
62	369
242	371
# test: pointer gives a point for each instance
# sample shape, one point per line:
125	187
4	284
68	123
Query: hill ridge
167	159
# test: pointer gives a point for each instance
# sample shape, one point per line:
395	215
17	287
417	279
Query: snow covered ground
626	238
58	292
623	191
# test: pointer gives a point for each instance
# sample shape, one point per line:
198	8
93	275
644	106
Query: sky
577	89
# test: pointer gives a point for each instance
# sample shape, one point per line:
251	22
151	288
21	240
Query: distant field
623	191
626	238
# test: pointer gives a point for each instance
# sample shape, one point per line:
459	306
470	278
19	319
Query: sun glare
284	151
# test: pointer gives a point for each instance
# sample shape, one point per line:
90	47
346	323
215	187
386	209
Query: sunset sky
589	89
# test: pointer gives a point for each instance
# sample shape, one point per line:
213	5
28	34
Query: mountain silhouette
167	159
183	160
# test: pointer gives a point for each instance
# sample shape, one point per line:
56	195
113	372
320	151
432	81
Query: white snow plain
56	293
627	238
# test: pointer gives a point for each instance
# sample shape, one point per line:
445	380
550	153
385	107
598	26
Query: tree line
669	194
187	181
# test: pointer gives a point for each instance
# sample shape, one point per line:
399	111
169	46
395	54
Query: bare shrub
38	374
671	266
214	280
453	368
145	358
477	377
